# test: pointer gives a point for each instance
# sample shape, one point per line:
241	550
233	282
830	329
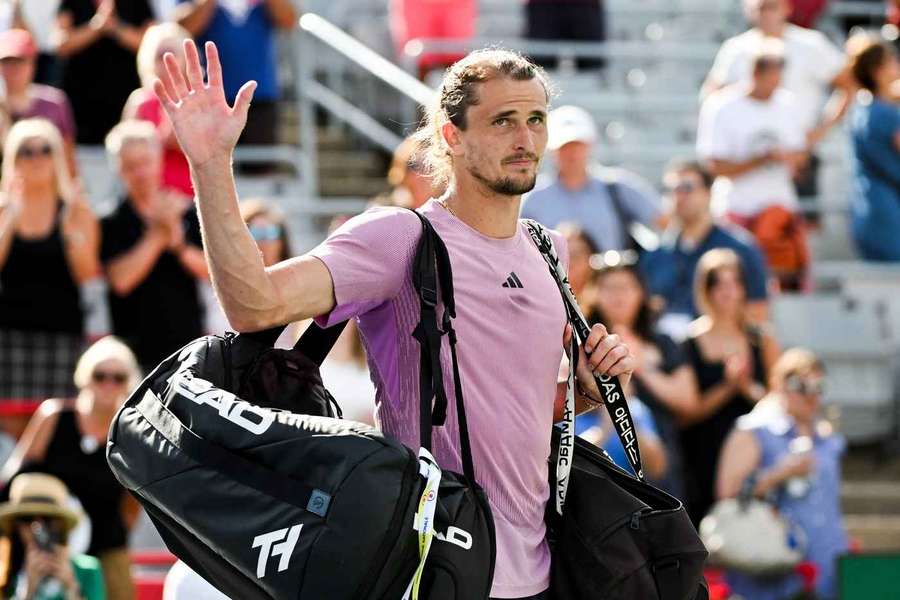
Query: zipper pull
636	520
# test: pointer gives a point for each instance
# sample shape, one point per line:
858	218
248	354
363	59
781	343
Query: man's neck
775	32
491	214
758	94
40	192
696	231
573	180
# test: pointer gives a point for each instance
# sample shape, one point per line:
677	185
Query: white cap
570	124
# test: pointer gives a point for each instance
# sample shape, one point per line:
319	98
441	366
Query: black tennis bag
266	503
612	535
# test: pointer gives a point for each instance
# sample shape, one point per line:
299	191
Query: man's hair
131	131
458	92
692	166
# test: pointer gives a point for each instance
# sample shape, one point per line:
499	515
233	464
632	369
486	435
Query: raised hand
205	126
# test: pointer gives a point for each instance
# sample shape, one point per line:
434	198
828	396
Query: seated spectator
582	251
67	439
875	131
49	241
144	105
569	20
812	65
151	251
244	33
97	40
432	19
39	19
26	99
410	185
669	270
662	380
731	360
606	204
38	565
787	452
751	137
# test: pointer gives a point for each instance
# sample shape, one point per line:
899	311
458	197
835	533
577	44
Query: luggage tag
423	522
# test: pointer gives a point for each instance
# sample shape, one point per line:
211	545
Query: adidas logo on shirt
513	282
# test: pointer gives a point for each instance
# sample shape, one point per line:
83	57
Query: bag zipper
228	337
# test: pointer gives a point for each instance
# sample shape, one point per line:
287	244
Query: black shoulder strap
433	275
610	388
615	197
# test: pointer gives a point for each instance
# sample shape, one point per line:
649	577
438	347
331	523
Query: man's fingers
622	366
598	333
160	89
179	85
213	66
192	65
244	96
567	335
611	358
602	349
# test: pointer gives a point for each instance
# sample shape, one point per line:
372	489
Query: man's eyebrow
511	112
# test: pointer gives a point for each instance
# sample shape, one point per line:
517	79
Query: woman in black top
731	359
662	379
67	439
99	40
49	244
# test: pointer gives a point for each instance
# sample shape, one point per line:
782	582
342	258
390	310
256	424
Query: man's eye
536	120
501	121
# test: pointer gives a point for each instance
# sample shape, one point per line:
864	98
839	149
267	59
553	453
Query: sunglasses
103	377
682	187
770	63
805	387
265	233
34	151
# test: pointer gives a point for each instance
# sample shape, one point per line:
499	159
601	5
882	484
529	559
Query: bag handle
610	387
432	274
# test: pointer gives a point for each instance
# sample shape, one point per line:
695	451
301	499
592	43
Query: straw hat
37	494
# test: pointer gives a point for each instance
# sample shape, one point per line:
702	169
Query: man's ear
452	138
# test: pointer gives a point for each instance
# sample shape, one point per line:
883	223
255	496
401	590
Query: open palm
206	127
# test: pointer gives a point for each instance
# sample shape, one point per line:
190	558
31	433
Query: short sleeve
723	71
672	354
113	240
712	131
66	118
827	60
369	258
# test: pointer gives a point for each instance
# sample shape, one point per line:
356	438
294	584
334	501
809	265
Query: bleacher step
875	532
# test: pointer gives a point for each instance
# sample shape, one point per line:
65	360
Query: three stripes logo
513	281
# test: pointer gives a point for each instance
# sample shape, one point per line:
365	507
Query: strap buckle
429	296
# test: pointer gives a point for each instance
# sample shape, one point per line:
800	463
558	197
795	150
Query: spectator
49	241
99	37
606	204
244	33
875	130
570	20
582	251
39	18
731	360
669	270
787	452
663	379
751	137
452	20
37	507
26	99
143	103
151	252
806	13
67	439
812	65
410	185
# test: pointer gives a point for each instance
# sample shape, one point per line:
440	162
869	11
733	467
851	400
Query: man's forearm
236	268
727	168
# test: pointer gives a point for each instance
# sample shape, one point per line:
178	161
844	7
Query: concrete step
352	186
871	498
362	162
876	533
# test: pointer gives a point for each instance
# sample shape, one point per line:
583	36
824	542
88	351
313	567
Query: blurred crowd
685	275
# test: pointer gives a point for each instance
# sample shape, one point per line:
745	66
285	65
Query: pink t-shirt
509	347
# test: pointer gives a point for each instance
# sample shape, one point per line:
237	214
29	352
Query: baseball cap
570	124
17	43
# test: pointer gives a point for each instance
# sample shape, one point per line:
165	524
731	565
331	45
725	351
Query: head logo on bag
280	543
241	413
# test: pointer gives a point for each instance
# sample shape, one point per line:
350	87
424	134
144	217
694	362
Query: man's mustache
520	157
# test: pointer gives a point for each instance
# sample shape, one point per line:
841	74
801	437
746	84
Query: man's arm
838	104
252	296
195	15
282	13
731	168
126	271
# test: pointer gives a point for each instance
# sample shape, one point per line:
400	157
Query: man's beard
505	186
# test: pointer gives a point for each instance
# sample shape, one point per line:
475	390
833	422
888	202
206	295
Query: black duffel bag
267	503
612	535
